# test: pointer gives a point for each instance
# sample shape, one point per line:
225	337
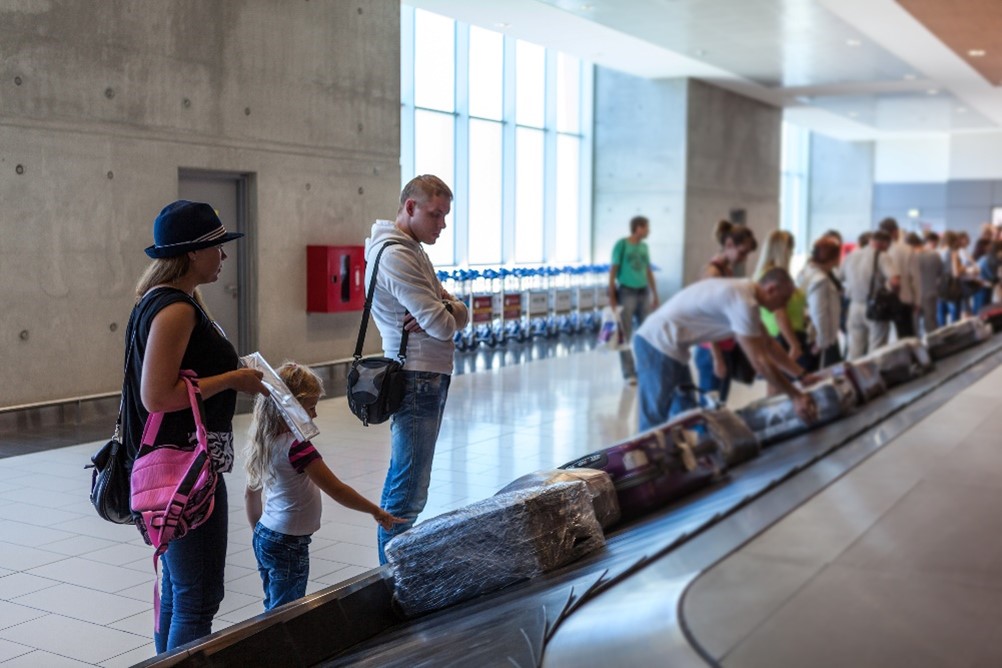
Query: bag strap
873	276
154	420
402	353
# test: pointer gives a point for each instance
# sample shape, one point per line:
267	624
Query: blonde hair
164	271
268	423
776	253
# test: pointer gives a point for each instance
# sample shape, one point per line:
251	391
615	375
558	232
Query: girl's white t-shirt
292	503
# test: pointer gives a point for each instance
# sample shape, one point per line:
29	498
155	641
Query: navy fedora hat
184	226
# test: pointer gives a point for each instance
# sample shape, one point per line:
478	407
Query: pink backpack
173	486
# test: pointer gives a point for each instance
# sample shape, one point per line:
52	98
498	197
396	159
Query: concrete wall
732	162
841	187
639	167
103	101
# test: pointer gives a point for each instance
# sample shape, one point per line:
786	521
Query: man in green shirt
632	286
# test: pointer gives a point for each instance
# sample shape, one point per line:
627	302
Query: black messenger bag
375	384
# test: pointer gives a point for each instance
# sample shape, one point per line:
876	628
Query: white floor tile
131	657
9	650
65	636
12	614
22	557
19	584
92	574
84	604
40	659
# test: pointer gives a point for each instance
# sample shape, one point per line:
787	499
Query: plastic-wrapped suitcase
491	544
992	314
600	487
863	375
731	434
652	469
957	336
901	361
774	418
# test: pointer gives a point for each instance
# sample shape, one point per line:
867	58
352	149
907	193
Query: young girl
291	475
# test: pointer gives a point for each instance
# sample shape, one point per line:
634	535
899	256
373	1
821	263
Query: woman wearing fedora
169	330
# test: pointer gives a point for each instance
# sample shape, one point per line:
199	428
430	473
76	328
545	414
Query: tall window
795	164
503	122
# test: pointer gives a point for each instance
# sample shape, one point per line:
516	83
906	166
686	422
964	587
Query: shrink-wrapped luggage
491	544
737	442
863	375
774	418
658	466
901	361
956	336
600	487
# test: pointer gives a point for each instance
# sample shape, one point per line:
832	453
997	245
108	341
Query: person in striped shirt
290	477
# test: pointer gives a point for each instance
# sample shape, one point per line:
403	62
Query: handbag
109	483
375	384
950	288
173	485
881	303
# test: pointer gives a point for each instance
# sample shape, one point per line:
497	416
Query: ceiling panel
970	28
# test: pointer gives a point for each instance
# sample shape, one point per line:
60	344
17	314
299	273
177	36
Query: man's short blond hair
423	188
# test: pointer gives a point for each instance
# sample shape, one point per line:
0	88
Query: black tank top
209	353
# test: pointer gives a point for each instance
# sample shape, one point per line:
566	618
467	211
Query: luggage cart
561	301
511	305
484	308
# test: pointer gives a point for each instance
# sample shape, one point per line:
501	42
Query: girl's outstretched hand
386	520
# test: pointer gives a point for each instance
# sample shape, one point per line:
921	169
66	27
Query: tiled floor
898	563
75	590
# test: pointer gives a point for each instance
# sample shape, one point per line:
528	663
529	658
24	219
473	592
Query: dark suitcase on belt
773	418
491	544
957	336
992	314
900	362
863	375
600	487
652	469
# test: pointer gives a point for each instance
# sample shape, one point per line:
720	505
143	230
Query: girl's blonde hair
268	423
777	252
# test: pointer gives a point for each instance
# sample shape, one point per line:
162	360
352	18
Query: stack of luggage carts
548	519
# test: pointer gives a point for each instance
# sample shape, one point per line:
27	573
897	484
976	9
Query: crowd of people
844	303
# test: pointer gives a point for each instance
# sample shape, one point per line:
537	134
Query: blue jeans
636	304
413	432
664	385
708	381
284	564
192	584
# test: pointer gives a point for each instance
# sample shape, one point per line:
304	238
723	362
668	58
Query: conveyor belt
589	612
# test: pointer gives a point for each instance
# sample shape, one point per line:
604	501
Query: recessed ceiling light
976	53
961	110
803	99
699	52
932	91
910	77
587	8
852	41
853	114
502	25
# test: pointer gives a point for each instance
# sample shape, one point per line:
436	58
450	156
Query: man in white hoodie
409	296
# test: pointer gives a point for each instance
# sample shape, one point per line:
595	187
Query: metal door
226	298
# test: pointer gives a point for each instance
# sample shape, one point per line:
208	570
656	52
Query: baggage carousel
618	606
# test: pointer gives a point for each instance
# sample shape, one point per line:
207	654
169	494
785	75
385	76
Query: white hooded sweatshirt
406	283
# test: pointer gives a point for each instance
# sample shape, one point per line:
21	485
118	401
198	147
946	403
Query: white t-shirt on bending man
712	309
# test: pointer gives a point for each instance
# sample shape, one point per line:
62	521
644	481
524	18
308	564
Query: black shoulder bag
375	384
110	489
881	303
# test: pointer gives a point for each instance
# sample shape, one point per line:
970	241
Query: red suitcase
652	469
992	314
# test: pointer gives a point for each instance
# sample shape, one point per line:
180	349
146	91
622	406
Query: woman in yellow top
789	325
